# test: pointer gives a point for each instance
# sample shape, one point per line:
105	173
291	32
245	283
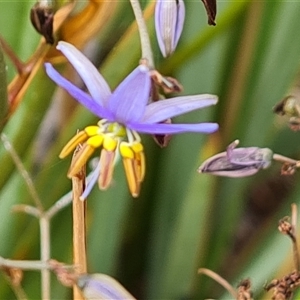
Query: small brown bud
42	16
168	84
211	10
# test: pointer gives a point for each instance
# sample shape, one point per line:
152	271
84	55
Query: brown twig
294	240
79	240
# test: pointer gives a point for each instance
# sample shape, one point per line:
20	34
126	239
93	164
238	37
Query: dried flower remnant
42	17
289	106
237	162
211	10
285	227
244	290
283	289
123	113
169	20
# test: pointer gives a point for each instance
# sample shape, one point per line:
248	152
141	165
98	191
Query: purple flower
238	162
101	286
169	19
123	113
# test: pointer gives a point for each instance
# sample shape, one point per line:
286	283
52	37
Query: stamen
110	143
95	141
133	167
132	180
132	136
107	167
81	158
126	151
79	138
92	130
140	161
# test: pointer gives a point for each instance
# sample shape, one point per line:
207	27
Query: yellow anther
79	138
126	151
80	159
131	176
109	143
91	130
95	141
137	147
107	163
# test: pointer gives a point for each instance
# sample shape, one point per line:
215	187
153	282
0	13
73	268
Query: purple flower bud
101	286
239	162
169	19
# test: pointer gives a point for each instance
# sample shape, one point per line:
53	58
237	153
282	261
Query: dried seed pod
42	16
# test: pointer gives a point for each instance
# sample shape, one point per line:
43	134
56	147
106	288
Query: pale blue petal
162	128
129	100
180	20
95	83
169	19
101	286
169	108
82	97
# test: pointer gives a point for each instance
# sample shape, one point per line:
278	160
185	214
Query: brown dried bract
42	18
65	276
294	123
211	10
15	275
286	227
163	140
283	289
244	290
288	169
168	84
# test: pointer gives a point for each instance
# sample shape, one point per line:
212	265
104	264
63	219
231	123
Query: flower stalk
79	228
143	32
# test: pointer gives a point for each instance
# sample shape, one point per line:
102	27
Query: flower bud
169	19
211	10
42	16
239	162
101	286
289	105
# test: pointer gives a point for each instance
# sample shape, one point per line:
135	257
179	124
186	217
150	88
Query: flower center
110	137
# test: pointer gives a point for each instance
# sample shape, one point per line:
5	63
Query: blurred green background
182	220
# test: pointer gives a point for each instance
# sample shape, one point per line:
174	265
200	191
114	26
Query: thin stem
10	149
25	264
294	240
64	201
27	209
220	280
59	205
284	159
37	212
144	35
17	289
19	65
45	256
